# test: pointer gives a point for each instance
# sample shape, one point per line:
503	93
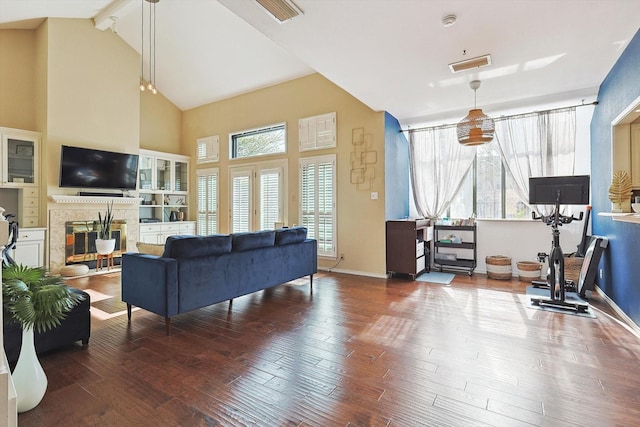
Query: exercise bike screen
565	190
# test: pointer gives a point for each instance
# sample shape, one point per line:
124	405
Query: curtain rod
497	119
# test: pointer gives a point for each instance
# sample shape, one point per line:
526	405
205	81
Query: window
207	149
258	142
318	201
263	186
317	132
487	190
207	193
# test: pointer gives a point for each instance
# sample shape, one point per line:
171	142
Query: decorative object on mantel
477	128
35	300
620	192
104	243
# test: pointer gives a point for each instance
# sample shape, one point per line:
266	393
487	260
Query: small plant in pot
104	243
37	301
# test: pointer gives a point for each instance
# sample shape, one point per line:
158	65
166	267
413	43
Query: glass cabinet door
181	176
21	161
145	176
163	175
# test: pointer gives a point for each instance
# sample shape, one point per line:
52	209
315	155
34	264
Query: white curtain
438	165
537	144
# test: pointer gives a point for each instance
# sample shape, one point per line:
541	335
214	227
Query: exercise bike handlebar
557	218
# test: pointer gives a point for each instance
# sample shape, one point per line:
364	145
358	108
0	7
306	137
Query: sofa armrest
150	282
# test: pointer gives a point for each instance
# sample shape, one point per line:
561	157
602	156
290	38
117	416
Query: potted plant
104	243
37	301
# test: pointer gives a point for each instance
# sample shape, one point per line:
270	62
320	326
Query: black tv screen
88	168
567	190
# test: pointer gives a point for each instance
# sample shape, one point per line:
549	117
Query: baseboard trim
627	322
353	272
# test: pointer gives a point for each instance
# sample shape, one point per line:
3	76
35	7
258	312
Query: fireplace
80	241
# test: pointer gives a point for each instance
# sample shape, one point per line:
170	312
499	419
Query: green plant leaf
35	299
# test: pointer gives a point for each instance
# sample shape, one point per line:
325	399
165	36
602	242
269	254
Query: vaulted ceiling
392	55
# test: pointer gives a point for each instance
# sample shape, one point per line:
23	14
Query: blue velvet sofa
198	271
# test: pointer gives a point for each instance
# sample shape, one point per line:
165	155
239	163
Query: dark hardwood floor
357	351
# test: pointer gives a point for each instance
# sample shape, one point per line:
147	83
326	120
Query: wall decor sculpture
363	160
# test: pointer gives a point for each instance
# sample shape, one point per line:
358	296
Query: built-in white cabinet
29	250
157	233
163	172
163	184
19	167
29	207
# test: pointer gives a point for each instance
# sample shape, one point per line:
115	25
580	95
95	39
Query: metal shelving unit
465	263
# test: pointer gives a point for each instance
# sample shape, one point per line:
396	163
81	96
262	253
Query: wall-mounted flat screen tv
88	168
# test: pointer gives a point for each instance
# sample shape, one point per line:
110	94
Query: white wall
522	240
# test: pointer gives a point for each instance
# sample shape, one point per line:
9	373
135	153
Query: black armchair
75	327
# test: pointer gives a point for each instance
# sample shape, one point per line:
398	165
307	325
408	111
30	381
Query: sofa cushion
253	240
196	246
150	248
286	236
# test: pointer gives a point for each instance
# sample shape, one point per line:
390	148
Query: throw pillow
150	248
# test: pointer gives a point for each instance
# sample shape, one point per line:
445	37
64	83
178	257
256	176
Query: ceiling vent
477	62
281	10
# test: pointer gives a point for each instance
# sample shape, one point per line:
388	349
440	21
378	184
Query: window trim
255	131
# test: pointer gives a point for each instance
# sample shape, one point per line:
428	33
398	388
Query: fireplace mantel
61	198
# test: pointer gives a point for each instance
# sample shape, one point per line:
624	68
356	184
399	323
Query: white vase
105	247
28	377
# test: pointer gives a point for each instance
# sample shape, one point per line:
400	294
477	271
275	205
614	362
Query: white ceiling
392	55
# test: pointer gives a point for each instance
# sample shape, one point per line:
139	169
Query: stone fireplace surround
64	208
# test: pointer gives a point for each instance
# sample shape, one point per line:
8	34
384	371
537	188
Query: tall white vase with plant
39	302
104	243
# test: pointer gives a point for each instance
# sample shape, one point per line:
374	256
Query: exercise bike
566	190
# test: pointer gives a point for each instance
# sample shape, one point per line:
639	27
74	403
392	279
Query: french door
257	196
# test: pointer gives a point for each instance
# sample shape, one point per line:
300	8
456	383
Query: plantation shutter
207	194
270	198
325	208
317	201
241	201
208	149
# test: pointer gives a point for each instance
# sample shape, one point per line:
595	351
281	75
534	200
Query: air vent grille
281	10
477	62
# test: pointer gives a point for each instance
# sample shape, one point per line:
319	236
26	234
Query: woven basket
572	266
498	267
529	271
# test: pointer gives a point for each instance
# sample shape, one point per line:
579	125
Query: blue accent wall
621	260
396	169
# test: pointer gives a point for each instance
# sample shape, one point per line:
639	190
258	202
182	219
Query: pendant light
149	84
477	128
